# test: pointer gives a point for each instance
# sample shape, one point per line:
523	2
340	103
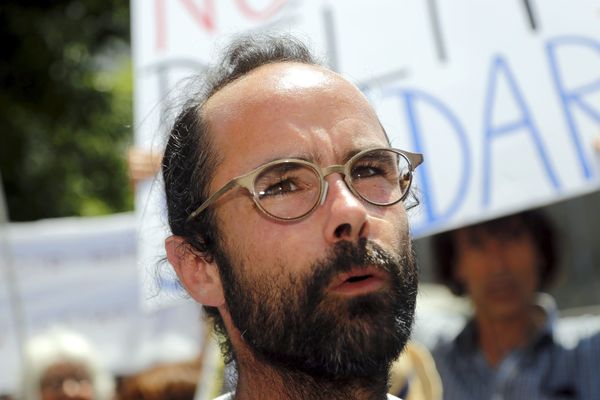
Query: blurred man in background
62	365
507	349
285	202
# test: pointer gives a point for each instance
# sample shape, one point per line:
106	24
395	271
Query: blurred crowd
61	364
506	349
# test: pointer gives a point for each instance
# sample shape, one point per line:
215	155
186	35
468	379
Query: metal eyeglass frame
246	181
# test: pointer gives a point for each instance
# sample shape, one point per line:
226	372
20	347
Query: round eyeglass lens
288	190
381	176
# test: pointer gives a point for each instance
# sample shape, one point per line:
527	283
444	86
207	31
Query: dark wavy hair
532	221
190	160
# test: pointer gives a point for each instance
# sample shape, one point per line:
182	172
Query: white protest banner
503	98
80	273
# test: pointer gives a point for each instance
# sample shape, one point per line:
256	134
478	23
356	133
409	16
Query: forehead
512	227
290	109
64	369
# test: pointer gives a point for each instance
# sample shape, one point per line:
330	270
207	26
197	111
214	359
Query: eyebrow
351	154
369	146
316	158
312	158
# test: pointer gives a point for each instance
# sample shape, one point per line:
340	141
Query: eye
366	170
285	179
283	187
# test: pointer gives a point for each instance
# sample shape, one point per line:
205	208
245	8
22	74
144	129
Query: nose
496	250
346	214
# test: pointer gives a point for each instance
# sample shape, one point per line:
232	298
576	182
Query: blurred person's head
500	264
173	381
62	365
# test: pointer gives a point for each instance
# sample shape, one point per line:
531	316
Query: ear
200	277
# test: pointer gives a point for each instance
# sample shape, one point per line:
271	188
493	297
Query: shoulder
465	341
588	351
446	350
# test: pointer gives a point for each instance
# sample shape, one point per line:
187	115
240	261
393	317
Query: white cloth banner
81	273
502	97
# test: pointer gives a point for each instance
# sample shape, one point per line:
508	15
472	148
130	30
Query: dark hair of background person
532	221
175	381
189	159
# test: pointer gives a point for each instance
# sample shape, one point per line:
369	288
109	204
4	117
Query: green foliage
65	107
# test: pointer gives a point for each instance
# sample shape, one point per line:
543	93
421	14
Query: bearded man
287	209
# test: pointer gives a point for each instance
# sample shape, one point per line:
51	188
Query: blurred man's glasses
291	189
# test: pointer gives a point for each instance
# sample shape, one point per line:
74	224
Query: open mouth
358	278
359	281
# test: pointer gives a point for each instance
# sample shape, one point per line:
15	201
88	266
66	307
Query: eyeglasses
290	189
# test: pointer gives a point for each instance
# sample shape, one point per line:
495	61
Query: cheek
525	264
470	268
238	219
256	240
390	226
526	278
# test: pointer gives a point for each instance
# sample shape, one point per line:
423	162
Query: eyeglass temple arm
228	186
415	159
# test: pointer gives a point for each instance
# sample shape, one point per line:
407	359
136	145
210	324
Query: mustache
347	255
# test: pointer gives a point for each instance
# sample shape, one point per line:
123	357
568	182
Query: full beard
292	323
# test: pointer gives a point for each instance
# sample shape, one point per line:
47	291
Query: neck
257	380
499	336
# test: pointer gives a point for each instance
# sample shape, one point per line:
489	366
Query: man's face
66	381
332	294
499	269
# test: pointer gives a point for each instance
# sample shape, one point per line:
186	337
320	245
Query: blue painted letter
499	68
412	98
574	97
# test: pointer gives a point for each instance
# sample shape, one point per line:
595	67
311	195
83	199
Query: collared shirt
543	369
587	355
